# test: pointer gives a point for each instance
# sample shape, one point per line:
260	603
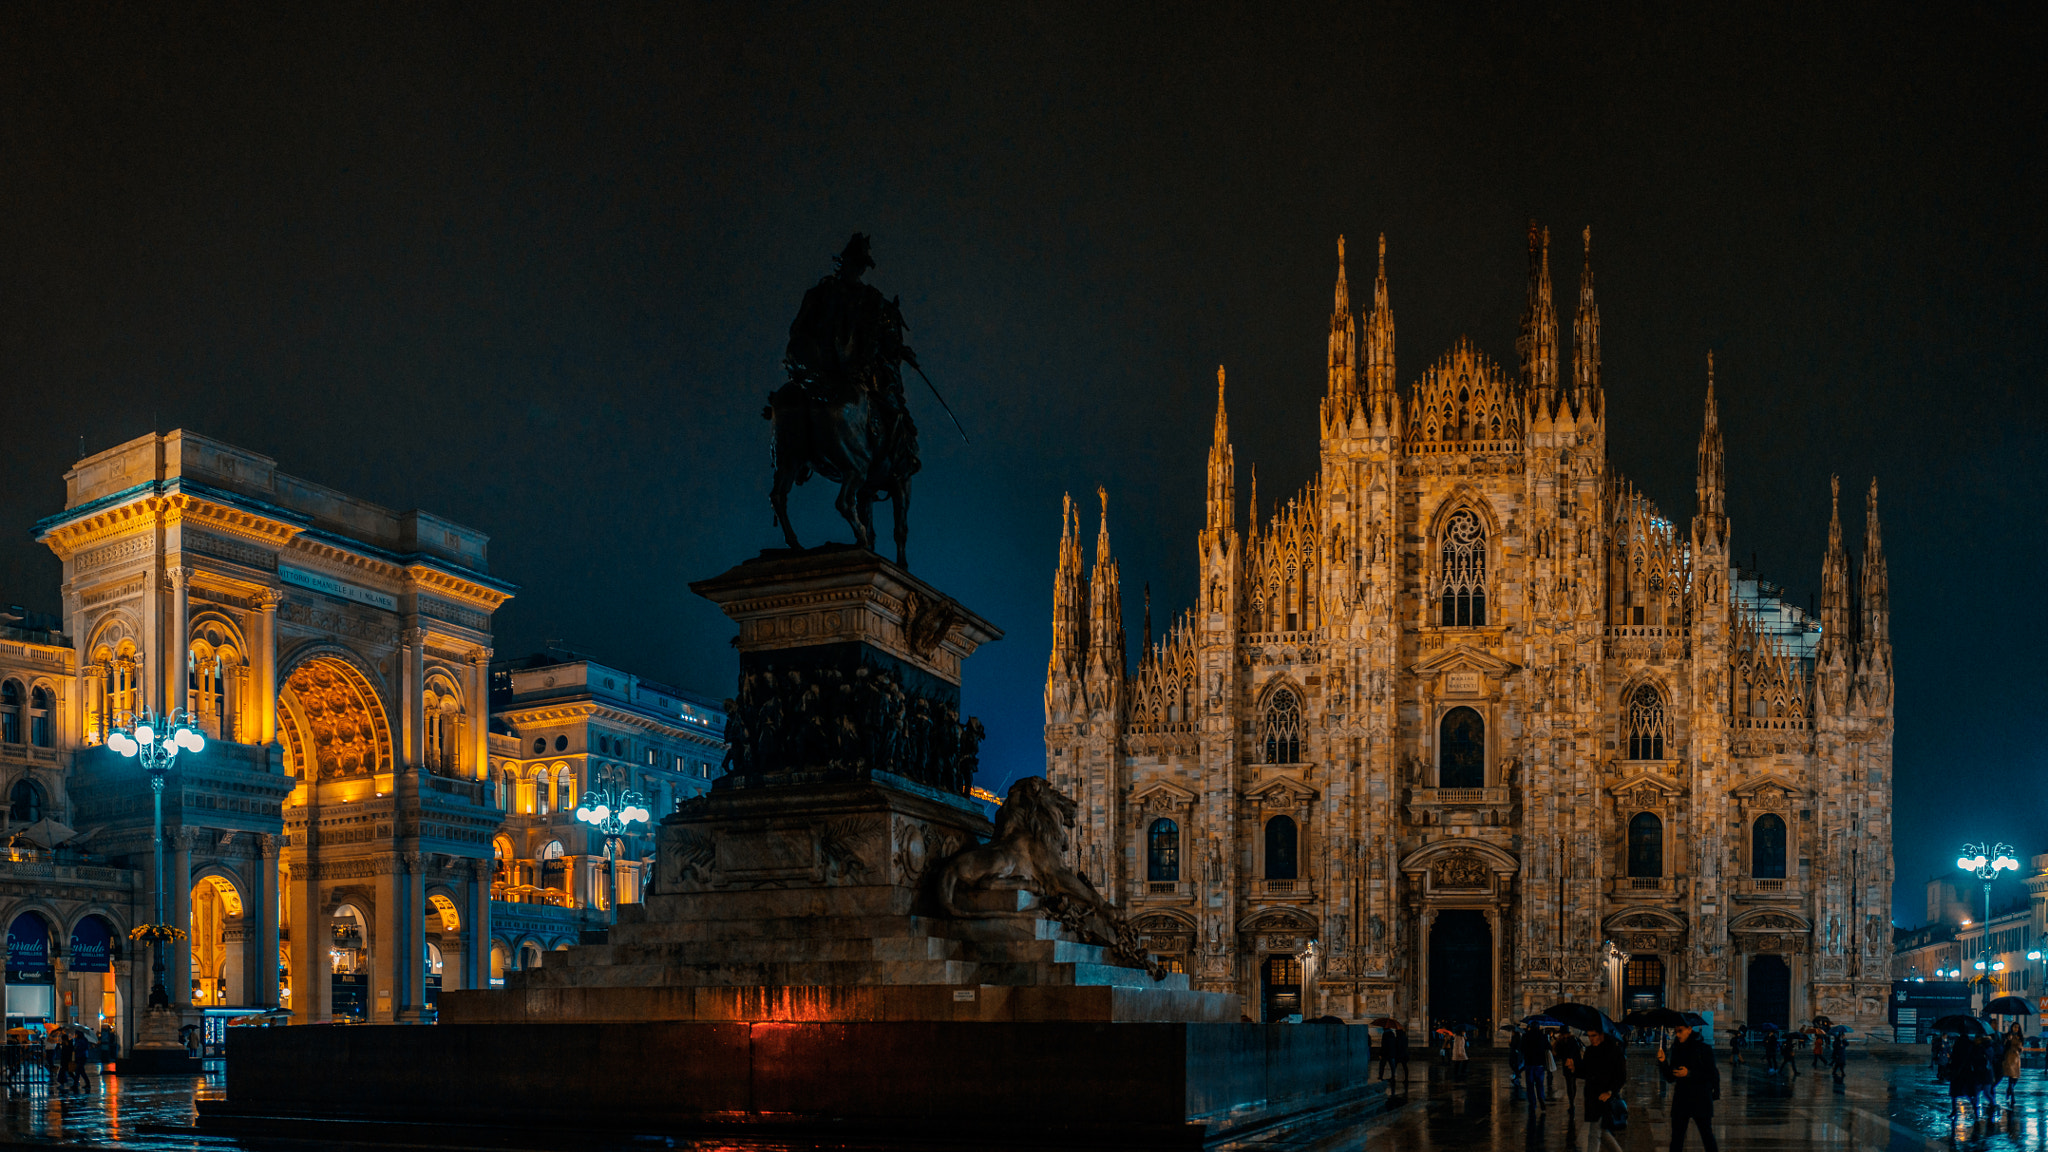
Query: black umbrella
1584	1017
1694	1019
1386	1022
1961	1025
2009	1006
1655	1018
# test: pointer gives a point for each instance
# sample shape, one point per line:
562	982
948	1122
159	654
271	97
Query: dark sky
531	268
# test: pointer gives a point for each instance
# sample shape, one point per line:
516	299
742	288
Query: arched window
1767	847
25	802
443	735
1162	852
10	712
1643	724
1462	749
1645	846
1282	726
206	692
1280	842
1463	589
39	709
543	792
565	788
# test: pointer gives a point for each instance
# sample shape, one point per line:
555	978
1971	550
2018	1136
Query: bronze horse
844	442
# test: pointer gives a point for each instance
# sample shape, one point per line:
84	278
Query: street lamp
156	741
1986	864
613	816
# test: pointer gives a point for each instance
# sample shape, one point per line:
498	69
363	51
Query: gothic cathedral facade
1468	727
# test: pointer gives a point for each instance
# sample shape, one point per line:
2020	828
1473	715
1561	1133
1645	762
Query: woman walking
1459	1058
2009	1064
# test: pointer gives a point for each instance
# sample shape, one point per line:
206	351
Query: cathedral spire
1222	471
1538	342
1342	397
1835	637
1148	621
1381	402
1105	620
1712	483
1586	397
1069	598
1877	594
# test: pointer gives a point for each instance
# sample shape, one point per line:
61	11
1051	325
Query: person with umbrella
1738	1039
1689	1064
1401	1053
1840	1057
1965	1065
1569	1052
1388	1026
1770	1048
1536	1063
1604	1068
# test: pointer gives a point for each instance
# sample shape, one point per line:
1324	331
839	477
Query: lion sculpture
1028	852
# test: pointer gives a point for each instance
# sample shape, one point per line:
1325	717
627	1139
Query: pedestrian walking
1386	1053
1770	1051
1737	1039
1604	1068
1459	1057
1401	1053
1515	1067
1689	1064
1964	1068
1819	1044
1567	1051
1536	1059
2009	1057
83	1048
110	1047
1839	1059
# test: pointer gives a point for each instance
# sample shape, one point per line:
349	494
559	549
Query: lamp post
156	742
1986	863
612	815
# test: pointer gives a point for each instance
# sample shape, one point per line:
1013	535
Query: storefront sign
321	582
28	950
92	946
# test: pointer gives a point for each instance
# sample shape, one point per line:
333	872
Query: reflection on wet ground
1885	1104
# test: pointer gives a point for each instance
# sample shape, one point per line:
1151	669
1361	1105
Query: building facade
340	848
1468	726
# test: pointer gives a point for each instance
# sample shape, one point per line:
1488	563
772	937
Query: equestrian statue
842	414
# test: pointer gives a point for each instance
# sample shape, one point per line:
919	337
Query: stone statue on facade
842	414
1028	852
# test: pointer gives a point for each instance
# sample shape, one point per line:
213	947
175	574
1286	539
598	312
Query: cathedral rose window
1463	592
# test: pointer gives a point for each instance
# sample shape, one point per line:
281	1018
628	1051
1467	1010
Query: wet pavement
1890	1104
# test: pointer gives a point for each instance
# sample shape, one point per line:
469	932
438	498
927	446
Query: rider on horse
848	336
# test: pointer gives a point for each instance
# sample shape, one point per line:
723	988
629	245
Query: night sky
532	269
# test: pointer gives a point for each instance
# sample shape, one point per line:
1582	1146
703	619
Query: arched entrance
1461	966
331	722
1279	988
350	950
217	945
1770	991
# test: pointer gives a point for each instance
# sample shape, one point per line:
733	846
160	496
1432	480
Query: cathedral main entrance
1770	992
1461	967
1279	988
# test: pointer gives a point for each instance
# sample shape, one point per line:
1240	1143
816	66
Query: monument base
812	902
958	1084
157	1048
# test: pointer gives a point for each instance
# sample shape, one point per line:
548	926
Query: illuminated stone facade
1467	726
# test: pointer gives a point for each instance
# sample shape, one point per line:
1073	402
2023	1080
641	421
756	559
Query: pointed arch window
1162	852
1281	840
1645	846
1767	847
1645	723
1462	750
1462	594
1281	728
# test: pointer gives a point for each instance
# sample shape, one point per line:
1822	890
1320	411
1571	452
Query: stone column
479	752
178	905
411	698
312	974
477	940
178	642
409	995
263	948
263	691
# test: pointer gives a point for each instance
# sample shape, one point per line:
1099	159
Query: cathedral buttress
1707	745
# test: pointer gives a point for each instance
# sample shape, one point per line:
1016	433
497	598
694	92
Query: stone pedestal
800	887
156	1048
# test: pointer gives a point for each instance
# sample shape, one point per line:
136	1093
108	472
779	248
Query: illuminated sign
320	582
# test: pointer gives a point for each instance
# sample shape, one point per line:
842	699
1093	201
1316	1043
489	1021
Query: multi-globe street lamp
1986	863
156	741
612	815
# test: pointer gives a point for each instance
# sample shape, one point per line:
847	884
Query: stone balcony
1478	806
1757	888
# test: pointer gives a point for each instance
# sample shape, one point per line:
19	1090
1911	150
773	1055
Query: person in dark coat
1689	1064
1770	1051
1838	1058
1386	1053
1536	1063
1401	1053
1569	1050
1604	1069
1964	1067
